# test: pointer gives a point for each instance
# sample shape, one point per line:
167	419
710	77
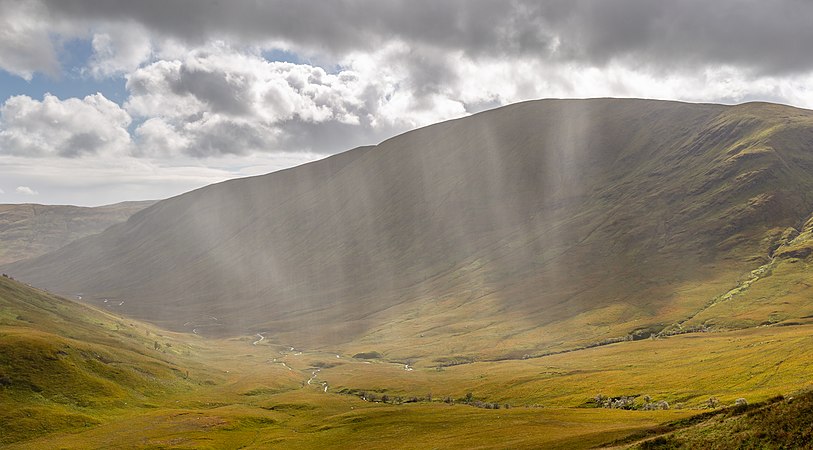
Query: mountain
28	230
533	228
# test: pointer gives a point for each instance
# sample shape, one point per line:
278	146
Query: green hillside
65	366
776	423
76	377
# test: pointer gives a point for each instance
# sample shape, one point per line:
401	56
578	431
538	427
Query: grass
76	377
683	370
773	424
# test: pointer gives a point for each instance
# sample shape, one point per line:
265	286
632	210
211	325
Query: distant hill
28	230
536	227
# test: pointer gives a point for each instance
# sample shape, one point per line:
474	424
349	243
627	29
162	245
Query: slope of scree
540	225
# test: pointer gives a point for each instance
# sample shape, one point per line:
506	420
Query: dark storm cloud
769	37
335	26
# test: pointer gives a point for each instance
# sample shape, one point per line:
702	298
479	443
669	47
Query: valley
550	274
128	384
528	229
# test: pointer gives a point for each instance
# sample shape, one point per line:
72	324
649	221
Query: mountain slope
65	366
530	228
29	230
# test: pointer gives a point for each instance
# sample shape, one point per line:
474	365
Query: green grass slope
64	365
76	377
536	227
777	423
29	230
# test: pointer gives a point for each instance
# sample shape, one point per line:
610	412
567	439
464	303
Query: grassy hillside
72	376
29	230
773	424
65	366
75	377
537	227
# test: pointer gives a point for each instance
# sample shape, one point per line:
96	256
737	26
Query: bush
367	355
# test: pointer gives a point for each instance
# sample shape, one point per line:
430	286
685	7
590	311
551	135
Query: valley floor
240	395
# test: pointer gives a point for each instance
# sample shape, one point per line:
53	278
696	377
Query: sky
103	101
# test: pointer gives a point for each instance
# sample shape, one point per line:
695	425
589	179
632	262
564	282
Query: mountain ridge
511	226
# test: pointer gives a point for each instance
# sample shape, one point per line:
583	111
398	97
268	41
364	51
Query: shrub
367	355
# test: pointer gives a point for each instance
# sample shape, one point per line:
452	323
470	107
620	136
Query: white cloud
2	191
25	44
155	137
25	190
119	48
218	100
67	128
221	80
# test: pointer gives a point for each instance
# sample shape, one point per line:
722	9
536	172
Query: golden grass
114	389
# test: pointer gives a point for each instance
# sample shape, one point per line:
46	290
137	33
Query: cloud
769	37
221	100
203	86
2	191
67	128
25	190
119	48
25	44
